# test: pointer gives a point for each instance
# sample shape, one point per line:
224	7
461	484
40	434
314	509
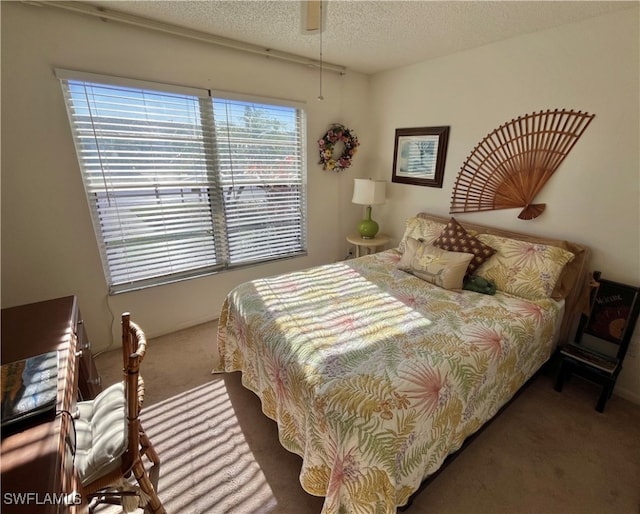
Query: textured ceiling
369	36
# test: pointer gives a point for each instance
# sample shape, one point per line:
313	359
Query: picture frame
419	155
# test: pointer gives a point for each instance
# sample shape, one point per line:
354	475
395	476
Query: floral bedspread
375	376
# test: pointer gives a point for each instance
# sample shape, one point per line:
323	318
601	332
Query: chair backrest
133	339
614	312
134	346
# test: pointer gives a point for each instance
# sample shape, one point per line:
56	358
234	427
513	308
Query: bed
375	374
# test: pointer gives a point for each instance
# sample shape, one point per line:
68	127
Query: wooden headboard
573	284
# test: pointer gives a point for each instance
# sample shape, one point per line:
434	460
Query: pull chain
320	97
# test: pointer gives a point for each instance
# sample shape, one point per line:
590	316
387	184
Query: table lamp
368	192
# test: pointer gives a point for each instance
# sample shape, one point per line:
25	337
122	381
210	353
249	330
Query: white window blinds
183	184
259	156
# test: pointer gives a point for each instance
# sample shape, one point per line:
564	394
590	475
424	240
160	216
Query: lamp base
368	229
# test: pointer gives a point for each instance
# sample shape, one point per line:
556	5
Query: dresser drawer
89	383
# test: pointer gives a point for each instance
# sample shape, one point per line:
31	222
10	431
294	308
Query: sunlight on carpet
207	465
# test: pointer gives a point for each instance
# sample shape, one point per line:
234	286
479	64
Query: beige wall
48	244
594	197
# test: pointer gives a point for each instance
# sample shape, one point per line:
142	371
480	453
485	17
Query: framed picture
419	156
614	312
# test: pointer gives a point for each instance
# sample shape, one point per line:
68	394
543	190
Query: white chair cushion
101	433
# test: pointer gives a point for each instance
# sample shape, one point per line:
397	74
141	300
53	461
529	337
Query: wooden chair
110	439
603	337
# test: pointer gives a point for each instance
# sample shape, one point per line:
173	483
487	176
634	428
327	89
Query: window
181	183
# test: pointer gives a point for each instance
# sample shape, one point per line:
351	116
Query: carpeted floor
547	453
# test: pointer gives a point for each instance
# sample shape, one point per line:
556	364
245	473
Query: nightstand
368	245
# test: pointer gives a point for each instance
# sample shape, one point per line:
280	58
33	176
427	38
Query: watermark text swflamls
33	498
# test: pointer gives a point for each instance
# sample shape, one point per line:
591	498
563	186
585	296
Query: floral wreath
326	145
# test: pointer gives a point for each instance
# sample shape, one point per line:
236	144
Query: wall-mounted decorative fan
509	167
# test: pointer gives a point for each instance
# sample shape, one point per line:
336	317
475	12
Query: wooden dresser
37	462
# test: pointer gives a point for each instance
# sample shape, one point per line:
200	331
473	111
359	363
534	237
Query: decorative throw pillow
435	265
526	269
455	238
420	228
410	247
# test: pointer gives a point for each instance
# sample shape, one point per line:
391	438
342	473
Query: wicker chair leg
107	496
140	473
147	448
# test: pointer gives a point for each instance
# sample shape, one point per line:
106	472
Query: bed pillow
522	268
455	238
435	265
421	229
